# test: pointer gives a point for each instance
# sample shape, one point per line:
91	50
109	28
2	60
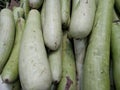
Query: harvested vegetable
96	65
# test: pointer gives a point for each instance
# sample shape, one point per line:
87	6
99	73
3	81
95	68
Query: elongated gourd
68	80
55	60
7	34
52	30
96	65
82	18
34	69
80	49
115	53
10	71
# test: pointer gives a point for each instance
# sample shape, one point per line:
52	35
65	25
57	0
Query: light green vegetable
68	80
115	49
10	71
96	65
55	60
34	69
75	4
82	18
52	30
80	49
7	34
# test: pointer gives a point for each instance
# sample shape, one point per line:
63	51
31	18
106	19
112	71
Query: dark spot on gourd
68	83
6	80
55	44
56	82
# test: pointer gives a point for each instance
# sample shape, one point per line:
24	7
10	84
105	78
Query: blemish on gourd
68	83
55	44
6	80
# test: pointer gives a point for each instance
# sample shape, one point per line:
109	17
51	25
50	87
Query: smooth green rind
10	71
7	34
34	69
68	80
96	65
26	7
82	18
52	31
115	53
